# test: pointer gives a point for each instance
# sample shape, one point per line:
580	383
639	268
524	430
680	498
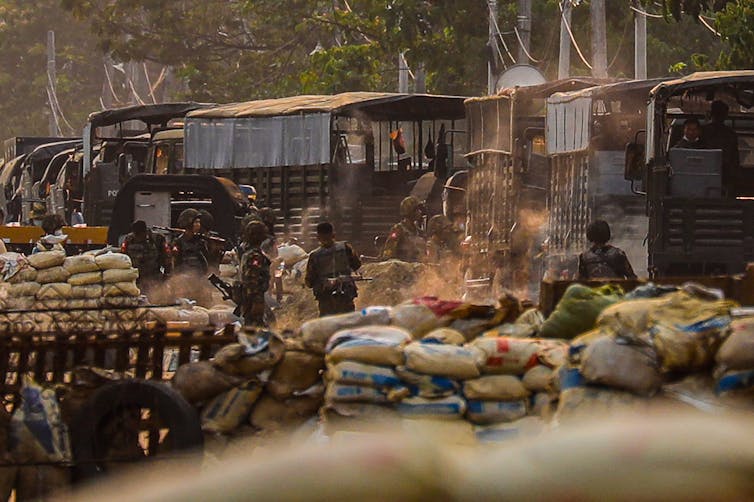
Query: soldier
443	239
190	250
255	275
329	273
405	241
54	238
149	253
601	260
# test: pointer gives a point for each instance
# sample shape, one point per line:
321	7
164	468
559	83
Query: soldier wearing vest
405	241
149	253
190	249
601	260
255	274
329	273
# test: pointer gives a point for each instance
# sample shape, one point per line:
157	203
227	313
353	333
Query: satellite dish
520	75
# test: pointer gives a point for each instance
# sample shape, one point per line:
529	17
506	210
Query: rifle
337	284
370	259
229	291
180	231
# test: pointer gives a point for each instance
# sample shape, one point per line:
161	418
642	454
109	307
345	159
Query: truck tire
107	407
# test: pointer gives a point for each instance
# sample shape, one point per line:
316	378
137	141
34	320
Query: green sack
577	311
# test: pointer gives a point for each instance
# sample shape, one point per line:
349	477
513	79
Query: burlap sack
109	261
229	410
85	279
270	414
54	291
52	274
295	373
236	359
201	381
46	259
89	291
80	264
27	289
121	289
26	274
115	275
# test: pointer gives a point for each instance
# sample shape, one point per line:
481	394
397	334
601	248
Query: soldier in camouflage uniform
601	260
149	253
405	241
255	274
329	273
190	249
443	241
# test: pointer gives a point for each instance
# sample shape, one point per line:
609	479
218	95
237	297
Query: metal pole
599	39
52	83
564	60
491	77
524	29
420	83
640	44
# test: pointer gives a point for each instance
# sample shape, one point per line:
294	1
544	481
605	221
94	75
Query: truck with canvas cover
587	133
699	201
508	182
116	146
349	158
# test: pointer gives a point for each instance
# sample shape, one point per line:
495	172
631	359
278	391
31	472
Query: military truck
701	211
587	134
349	158
508	183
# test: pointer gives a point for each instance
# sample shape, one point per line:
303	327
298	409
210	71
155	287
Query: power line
523	46
497	30
573	39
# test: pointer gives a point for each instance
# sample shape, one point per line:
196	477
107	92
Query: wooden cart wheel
132	421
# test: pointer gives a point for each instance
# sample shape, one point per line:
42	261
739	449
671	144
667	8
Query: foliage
23	79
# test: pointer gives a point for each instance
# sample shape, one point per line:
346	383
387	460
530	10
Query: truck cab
700	204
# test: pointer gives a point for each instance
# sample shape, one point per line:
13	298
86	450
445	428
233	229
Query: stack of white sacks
87	283
402	363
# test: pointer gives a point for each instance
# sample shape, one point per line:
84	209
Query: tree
23	79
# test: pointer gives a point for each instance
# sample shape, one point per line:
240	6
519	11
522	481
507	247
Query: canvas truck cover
295	130
569	114
491	118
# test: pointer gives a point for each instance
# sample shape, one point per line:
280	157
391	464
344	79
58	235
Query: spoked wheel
132	421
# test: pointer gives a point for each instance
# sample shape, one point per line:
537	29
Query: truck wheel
132	421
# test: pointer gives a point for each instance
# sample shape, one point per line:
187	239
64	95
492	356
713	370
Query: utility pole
491	66
599	39
402	74
52	79
524	30
420	82
640	44
564	59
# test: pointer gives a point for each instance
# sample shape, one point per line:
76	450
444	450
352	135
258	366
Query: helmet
409	206
208	221
187	217
255	232
267	216
52	222
438	224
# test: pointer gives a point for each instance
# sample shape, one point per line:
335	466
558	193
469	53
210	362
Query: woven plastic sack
379	345
90	291
80	264
294	374
343	393
226	412
446	335
85	278
737	352
451	407
365	375
492	412
317	332
107	261
114	275
416	319
54	291
46	259
428	386
537	379
26	274
505	355
578	310
495	388
52	274
23	289
628	367
121	289
446	360
253	354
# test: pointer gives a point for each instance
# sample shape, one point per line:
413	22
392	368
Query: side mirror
633	169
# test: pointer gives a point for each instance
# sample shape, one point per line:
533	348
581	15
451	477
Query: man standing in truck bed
329	273
718	136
